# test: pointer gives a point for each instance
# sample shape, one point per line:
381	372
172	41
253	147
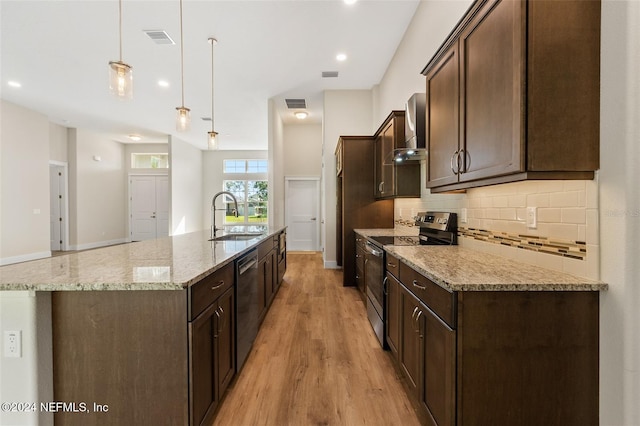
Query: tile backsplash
567	219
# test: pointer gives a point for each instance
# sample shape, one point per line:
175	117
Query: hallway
316	360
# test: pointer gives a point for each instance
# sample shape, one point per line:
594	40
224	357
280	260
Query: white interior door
56	188
149	197
302	214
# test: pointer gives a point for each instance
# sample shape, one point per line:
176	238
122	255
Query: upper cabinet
393	180
513	94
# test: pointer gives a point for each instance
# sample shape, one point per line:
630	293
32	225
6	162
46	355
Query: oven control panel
443	221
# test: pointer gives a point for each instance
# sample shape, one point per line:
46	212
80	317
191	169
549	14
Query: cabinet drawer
207	290
266	246
392	265
439	300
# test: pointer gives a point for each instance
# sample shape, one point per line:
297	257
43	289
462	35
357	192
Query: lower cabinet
212	363
494	357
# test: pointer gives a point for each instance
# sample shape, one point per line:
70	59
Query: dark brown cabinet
513	94
393	180
496	357
360	260
212	363
267	273
356	205
393	318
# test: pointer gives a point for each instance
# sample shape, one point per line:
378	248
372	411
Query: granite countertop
170	263
458	269
404	231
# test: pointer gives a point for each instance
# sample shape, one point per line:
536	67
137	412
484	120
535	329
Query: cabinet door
360	258
442	121
203	389
438	390
410	343
393	313
262	286
491	90
378	162
224	338
388	175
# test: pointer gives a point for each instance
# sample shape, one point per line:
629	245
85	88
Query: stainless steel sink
236	237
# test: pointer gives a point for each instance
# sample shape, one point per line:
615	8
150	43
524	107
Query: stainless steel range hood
414	130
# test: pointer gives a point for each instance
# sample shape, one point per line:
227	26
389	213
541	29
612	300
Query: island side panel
528	358
124	350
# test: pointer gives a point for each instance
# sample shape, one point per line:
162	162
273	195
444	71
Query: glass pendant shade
213	141
183	122
121	80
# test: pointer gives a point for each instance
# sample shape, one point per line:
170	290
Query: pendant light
183	122
120	74
213	135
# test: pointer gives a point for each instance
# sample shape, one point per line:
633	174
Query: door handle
313	218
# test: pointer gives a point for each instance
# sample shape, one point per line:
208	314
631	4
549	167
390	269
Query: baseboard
97	244
24	258
331	264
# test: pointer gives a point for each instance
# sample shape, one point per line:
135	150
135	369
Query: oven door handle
371	249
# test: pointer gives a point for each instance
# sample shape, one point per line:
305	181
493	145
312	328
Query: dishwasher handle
373	250
247	263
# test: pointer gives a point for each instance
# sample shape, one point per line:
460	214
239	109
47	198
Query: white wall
302	149
276	156
58	137
97	190
213	177
24	184
346	112
186	187
620	213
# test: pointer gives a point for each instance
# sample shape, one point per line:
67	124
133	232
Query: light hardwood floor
316	360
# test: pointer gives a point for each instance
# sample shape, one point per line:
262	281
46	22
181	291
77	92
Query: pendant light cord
120	25
213	42
181	55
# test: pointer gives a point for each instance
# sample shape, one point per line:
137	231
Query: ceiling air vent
206	118
329	74
296	103
159	36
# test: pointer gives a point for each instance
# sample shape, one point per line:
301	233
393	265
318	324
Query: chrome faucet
213	211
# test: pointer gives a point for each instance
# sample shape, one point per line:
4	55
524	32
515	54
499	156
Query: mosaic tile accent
571	249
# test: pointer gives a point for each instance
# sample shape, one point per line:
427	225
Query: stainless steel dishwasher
247	305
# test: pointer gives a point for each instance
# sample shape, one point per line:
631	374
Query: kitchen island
481	339
143	333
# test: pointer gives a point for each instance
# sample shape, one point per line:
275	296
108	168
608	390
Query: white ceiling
270	49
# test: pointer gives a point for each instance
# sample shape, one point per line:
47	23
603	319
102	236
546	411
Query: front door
149	198
302	212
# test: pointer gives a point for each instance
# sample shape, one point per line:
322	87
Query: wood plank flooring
316	360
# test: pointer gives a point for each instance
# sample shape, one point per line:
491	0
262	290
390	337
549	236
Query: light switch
463	215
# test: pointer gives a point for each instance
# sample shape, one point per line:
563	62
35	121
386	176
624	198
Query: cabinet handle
451	162
357	256
414	313
384	285
357	277
392	265
463	162
419	329
220	284
217	330
381	187
418	286
224	320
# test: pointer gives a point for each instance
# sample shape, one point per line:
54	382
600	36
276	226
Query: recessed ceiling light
341	57
14	84
163	83
350	2
134	137
301	115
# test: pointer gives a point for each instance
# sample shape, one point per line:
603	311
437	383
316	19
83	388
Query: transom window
246	166
147	160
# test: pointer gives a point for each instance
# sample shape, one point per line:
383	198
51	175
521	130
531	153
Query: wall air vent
206	118
329	74
159	36
296	103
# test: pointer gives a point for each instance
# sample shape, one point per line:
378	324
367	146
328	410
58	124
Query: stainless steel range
436	228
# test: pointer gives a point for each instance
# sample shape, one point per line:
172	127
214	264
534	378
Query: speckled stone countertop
171	263
457	269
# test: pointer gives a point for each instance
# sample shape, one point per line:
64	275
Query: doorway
302	201
58	206
149	207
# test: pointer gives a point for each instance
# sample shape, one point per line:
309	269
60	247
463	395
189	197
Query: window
245	166
252	196
146	160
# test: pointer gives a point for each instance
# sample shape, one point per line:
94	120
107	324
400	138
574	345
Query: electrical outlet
463	215
532	217
13	344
